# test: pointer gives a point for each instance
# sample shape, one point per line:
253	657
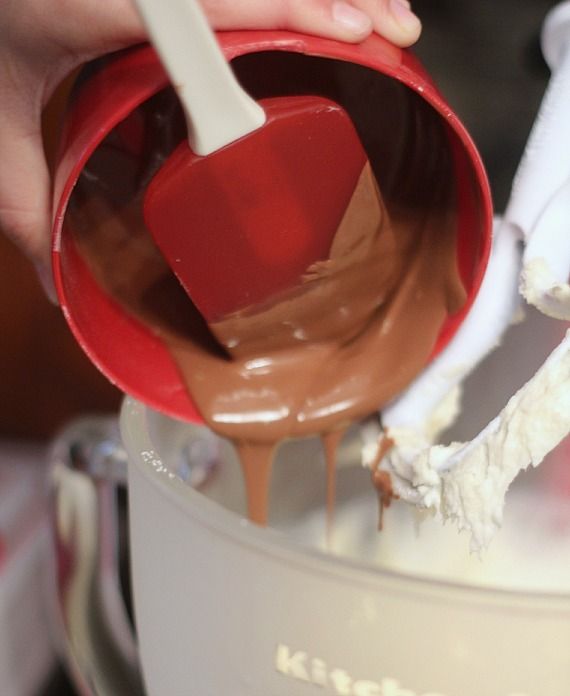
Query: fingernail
402	12
351	18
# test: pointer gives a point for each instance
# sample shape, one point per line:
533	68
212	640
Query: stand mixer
154	444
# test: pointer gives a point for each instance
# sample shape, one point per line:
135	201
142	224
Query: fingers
331	18
95	27
334	19
90	27
345	20
392	19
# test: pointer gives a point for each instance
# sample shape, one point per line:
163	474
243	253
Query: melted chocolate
316	358
381	480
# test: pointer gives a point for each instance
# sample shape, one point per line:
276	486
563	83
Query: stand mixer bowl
223	606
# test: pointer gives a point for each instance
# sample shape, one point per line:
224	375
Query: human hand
42	41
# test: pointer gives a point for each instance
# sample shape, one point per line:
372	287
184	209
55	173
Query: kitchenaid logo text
298	665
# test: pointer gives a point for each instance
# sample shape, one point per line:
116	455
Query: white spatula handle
217	109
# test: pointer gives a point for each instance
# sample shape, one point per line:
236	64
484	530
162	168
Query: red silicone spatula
257	194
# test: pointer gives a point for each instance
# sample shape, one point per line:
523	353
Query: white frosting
543	290
467	482
530	554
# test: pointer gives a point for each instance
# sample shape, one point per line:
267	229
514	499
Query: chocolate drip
381	480
331	442
256	462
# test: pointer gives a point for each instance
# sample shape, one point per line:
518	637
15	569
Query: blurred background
485	57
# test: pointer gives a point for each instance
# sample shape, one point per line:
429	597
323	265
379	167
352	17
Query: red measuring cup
123	123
